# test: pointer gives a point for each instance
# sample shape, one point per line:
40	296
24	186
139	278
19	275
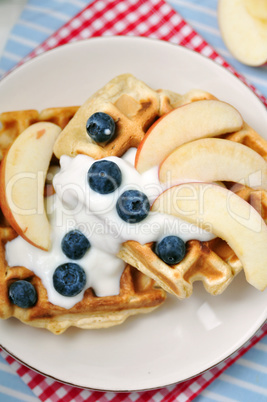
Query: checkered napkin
154	19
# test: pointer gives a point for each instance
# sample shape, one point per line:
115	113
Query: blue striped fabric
12	388
37	22
246	380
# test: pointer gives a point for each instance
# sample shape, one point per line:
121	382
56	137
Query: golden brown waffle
138	294
256	198
249	137
133	106
213	263
13	123
170	100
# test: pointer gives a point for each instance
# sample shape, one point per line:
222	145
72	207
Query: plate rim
127	390
26	61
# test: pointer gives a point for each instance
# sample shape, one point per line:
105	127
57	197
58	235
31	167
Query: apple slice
228	216
244	34
214	159
204	118
257	8
22	180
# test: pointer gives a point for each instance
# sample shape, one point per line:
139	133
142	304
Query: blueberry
23	294
69	279
133	206
171	249
100	127
104	177
74	244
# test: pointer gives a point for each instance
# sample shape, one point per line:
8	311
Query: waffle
170	100
249	137
256	198
138	293
133	106
213	263
13	123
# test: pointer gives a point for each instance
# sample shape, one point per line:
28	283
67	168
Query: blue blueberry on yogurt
69	279
171	250
22	294
104	176
100	127
133	206
74	245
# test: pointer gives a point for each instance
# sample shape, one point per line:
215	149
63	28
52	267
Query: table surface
246	379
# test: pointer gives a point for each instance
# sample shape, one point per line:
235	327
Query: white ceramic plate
180	339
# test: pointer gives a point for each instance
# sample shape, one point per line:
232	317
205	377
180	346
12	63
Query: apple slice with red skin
228	216
200	119
214	159
22	180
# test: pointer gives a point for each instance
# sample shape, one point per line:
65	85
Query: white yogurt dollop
103	270
76	206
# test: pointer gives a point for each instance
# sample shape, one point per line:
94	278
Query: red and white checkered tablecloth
154	19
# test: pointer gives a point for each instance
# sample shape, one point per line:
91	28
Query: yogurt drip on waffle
76	206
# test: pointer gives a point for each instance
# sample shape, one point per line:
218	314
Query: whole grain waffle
212	262
133	106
